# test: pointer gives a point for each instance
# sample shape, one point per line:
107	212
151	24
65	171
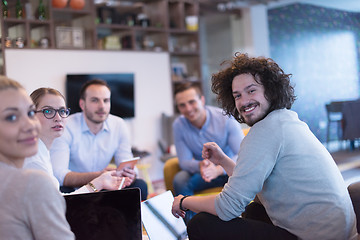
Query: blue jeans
186	183
139	183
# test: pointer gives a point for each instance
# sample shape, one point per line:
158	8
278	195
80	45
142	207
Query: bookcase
148	25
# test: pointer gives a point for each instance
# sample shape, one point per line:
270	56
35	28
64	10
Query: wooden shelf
10	22
148	25
71	11
182	32
134	28
38	22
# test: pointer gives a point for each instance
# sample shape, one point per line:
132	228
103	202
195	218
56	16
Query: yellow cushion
245	131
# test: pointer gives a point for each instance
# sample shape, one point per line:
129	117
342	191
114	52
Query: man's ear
202	98
82	104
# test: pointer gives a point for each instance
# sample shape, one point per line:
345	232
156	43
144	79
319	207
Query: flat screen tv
122	92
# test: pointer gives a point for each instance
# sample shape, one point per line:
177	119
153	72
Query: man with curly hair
300	191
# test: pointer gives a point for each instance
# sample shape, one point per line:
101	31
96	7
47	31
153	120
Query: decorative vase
77	4
59	3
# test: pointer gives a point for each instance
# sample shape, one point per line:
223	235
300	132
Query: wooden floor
348	162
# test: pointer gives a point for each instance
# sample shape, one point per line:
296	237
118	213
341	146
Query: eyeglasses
50	113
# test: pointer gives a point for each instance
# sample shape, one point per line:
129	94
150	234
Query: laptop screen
158	220
105	215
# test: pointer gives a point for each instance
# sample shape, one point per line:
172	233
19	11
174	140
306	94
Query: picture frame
69	37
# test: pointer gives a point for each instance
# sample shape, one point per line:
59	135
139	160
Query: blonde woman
30	206
52	112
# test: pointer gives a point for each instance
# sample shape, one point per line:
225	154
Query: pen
122	183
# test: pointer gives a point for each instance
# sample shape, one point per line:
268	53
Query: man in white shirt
91	139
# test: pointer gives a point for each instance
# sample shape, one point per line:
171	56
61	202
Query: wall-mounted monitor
122	92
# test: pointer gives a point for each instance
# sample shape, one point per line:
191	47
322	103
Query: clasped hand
209	170
212	155
175	210
212	152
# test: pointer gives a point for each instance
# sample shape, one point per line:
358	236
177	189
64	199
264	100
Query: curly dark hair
278	90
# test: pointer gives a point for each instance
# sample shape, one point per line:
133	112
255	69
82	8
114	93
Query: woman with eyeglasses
52	112
30	206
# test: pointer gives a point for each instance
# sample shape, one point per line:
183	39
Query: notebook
106	215
158	220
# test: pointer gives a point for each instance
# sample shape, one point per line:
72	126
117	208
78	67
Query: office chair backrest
334	110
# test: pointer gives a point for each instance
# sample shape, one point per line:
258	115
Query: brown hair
95	81
6	83
188	85
37	95
278	90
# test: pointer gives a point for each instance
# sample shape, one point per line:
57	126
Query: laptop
105	215
158	220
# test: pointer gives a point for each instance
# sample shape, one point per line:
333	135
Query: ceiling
347	5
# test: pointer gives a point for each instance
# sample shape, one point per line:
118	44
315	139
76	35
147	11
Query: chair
354	191
351	122
171	167
334	116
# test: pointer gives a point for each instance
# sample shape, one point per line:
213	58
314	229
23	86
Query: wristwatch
180	205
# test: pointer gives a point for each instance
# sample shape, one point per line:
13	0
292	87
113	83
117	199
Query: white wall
222	35
256	31
216	47
153	96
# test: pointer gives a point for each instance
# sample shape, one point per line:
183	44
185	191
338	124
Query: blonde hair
37	95
6	83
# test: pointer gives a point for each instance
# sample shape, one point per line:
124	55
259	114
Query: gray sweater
30	206
295	178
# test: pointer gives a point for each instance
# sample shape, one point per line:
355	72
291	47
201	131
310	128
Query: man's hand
107	180
127	172
127	182
176	211
213	152
209	170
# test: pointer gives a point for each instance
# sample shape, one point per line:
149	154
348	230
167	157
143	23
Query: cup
192	23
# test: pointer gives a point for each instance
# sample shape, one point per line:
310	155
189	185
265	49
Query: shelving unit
140	26
183	42
149	25
82	23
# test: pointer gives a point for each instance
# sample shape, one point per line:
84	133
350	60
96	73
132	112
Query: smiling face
19	128
192	106
51	128
250	99
96	105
